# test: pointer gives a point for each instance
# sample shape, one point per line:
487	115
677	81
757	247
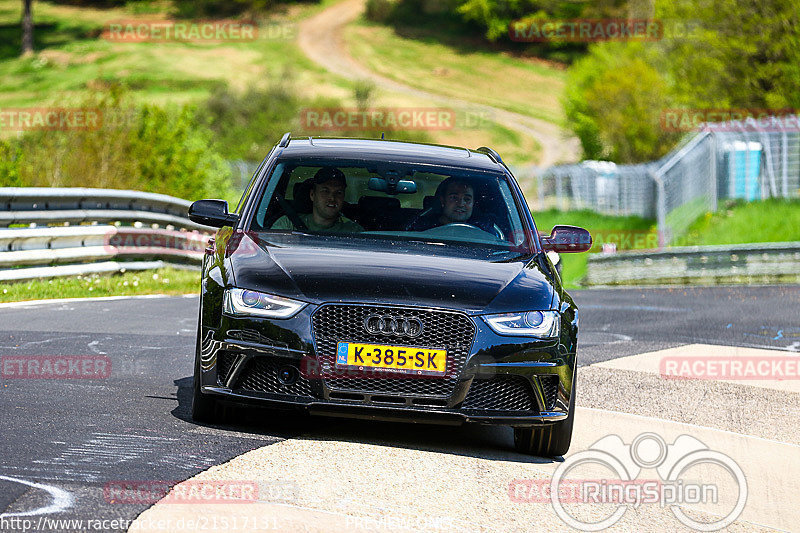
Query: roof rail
285	140
494	156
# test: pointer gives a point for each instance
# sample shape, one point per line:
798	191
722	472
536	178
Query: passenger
327	199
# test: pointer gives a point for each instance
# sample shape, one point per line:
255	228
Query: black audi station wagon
389	281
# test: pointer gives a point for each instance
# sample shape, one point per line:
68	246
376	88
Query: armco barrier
26	205
739	263
158	232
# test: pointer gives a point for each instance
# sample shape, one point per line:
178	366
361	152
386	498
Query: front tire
552	440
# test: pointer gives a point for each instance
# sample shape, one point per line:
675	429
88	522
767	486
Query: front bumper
388	413
500	380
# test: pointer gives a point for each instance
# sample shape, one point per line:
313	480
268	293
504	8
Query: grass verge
774	220
161	281
631	230
72	57
419	57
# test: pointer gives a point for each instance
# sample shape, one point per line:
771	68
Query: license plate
405	359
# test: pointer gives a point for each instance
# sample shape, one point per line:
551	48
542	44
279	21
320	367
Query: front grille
550	389
225	362
441	329
261	375
501	393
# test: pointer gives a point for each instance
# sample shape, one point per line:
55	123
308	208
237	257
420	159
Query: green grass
459	66
161	281
739	223
71	57
628	232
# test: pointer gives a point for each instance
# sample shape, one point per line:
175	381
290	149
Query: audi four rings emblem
391	325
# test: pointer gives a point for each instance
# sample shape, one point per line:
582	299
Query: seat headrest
430	202
300	196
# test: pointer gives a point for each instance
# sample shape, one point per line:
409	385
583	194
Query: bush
247	124
364	93
613	103
220	8
10	162
379	10
142	148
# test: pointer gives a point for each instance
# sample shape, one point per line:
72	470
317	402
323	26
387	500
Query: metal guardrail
26	205
91	247
739	263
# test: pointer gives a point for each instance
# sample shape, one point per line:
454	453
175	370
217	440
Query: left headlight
242	302
541	324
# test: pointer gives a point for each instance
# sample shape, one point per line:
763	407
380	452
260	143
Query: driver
456	198
327	199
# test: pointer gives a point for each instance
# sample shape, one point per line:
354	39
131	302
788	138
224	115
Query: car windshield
385	200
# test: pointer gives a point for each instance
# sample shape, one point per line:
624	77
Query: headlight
242	302
542	324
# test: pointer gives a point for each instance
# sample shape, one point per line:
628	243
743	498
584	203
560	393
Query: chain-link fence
597	185
747	160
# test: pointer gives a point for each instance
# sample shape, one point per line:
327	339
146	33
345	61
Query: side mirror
212	213
565	239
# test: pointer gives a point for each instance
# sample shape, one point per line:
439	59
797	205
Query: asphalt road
63	441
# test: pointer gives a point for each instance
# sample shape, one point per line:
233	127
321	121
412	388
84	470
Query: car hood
339	271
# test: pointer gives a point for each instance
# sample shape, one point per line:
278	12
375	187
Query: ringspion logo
688	473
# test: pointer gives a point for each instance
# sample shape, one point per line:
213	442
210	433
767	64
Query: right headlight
540	324
241	302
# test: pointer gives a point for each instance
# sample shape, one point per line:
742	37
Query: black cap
326	174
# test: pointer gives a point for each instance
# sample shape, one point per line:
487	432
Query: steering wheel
495	229
460	227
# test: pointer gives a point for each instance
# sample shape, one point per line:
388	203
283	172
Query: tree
27	27
613	103
734	55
